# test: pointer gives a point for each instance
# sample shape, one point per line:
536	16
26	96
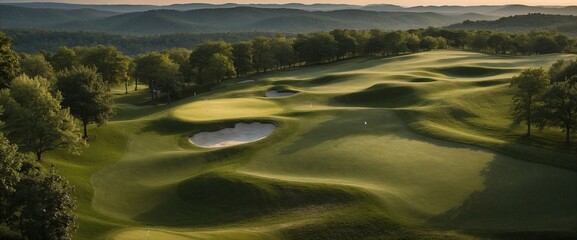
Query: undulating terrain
418	146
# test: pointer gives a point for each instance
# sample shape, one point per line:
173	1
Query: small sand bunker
246	81
241	133
275	93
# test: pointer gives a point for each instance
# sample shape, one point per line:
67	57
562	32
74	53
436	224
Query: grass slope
360	153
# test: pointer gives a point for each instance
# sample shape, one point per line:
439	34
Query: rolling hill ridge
240	19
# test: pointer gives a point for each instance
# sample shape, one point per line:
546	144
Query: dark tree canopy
45	206
10	164
109	62
560	107
529	85
37	66
242	54
34	118
87	96
160	72
200	59
9	61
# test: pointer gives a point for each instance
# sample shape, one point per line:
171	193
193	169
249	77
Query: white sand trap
246	81
275	93
241	133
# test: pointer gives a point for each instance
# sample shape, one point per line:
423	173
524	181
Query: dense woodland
522	23
47	95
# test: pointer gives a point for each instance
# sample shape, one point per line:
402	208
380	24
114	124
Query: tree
499	42
394	43
10	164
529	85
181	56
242	54
522	44
109	62
347	44
282	51
64	58
201	54
429	43
263	56
34	118
44	207
560	107
87	96
563	70
545	44
413	43
37	66
160	72
316	47
219	67
479	40
9	62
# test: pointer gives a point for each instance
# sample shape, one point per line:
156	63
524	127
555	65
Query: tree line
547	97
40	109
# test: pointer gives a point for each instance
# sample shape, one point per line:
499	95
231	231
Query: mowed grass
409	147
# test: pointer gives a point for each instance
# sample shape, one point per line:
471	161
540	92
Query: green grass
410	147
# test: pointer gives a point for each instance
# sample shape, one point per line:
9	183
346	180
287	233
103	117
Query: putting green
360	153
229	108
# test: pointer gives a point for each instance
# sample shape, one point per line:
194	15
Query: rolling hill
19	17
240	19
524	23
494	10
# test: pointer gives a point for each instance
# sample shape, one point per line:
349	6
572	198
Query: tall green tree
64	58
347	43
181	56
35	119
10	164
160	72
9	61
560	107
44	207
316	47
282	51
219	67
263	55
87	96
242	54
499	42
37	66
200	56
529	85
109	62
563	70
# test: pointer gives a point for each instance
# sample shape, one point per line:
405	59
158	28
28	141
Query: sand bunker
275	93
241	133
246	81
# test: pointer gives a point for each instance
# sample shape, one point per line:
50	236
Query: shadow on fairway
518	196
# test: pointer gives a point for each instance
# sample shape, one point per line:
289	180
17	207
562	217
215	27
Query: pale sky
356	2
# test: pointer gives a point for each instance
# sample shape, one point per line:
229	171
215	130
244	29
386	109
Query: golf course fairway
418	146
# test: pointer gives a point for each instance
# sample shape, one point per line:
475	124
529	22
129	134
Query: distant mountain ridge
210	20
523	23
494	10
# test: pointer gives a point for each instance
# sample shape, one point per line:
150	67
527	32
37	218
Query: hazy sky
357	2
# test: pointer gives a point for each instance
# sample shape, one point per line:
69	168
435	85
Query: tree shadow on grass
520	197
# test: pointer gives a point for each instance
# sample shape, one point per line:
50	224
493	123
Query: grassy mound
470	72
231	108
217	196
381	95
